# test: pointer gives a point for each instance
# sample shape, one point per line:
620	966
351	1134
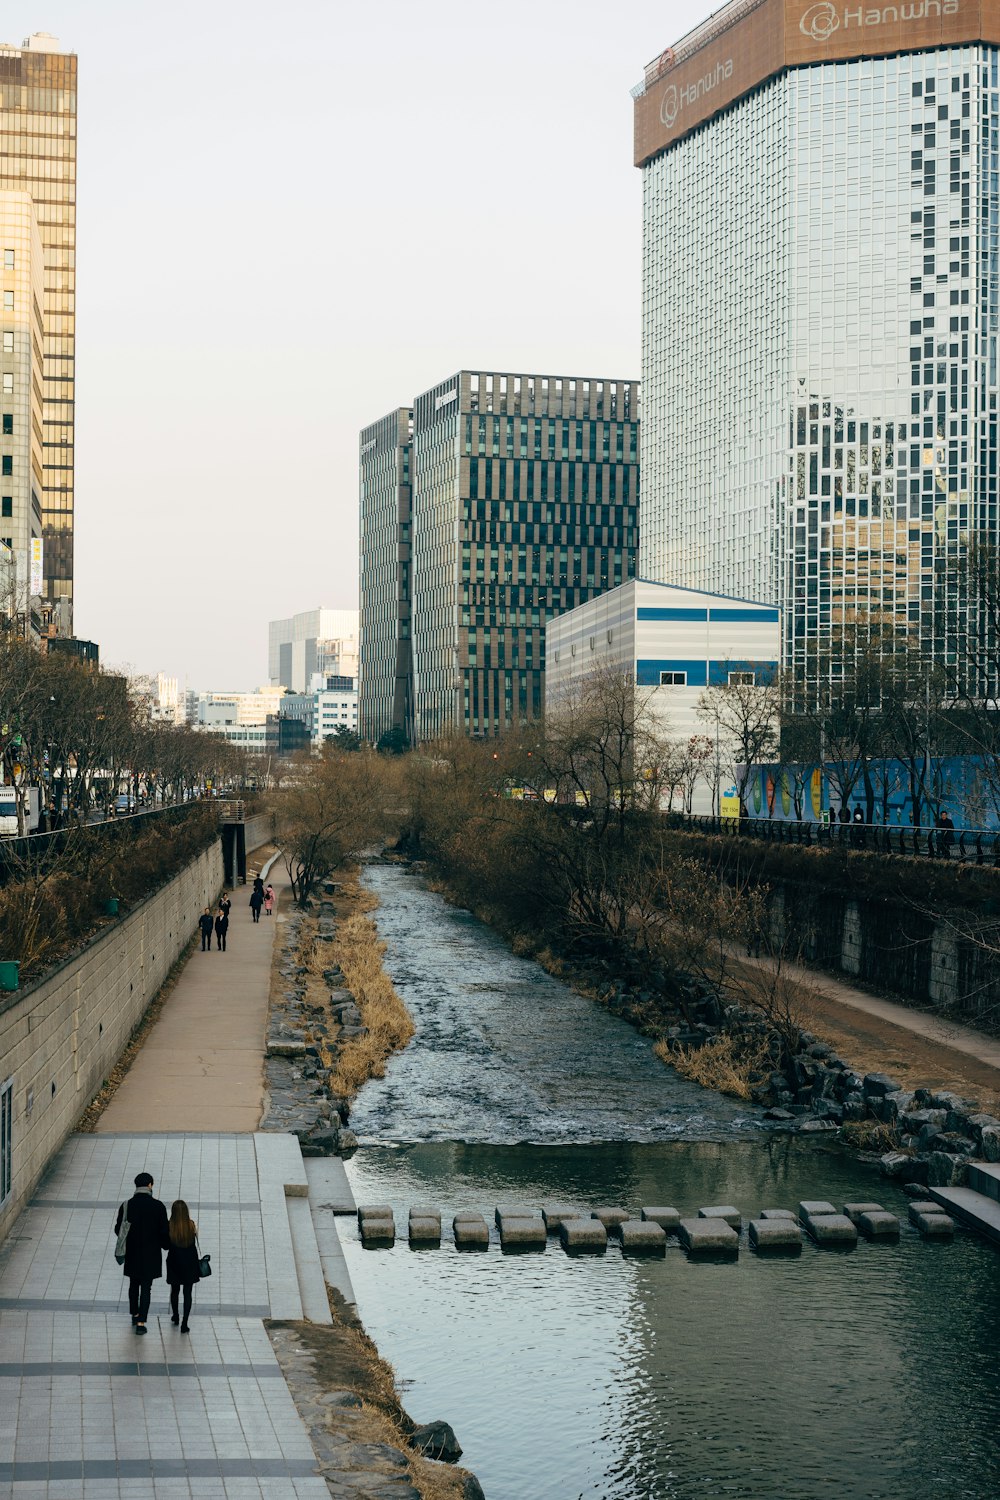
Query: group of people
262	896
149	1233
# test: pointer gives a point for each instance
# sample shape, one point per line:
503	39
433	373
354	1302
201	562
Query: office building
524	503
335	707
21	379
323	641
38	157
386	665
820	311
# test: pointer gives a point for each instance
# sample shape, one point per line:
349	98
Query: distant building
166	704
22	366
219	710
525	493
88	652
334	707
318	640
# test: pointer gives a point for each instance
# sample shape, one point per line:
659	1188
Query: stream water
866	1374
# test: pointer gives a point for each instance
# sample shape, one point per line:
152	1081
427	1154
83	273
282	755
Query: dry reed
729	1064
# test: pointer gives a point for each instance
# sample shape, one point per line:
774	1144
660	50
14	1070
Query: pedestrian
205	923
858	829
221	928
269	899
147	1236
182	1261
946	826
256	902
225	905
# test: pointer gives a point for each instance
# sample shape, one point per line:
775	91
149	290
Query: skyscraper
525	493
820	312
386	679
38	157
21	367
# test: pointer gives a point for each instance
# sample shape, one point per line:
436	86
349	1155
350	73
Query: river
867	1374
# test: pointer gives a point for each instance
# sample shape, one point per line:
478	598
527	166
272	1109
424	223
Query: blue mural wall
957	784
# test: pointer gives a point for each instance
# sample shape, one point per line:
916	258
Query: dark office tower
38	156
385	702
525	503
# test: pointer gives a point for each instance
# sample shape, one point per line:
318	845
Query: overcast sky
291	220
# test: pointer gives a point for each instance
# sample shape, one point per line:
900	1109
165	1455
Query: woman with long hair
182	1260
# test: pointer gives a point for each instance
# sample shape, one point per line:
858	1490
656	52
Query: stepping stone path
726	1211
776	1234
583	1236
931	1220
708	1236
641	1237
667	1218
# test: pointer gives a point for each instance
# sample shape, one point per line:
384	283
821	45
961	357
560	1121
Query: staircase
978	1205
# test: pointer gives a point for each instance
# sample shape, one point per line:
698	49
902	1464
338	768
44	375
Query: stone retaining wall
60	1037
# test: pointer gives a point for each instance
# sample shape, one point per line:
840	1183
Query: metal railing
37	850
978	846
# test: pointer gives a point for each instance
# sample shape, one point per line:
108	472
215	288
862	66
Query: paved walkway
201	1067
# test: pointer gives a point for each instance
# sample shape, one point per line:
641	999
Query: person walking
205	923
256	902
269	899
147	1237
225	905
182	1260
221	928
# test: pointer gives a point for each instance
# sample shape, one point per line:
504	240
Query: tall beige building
38	157
21	375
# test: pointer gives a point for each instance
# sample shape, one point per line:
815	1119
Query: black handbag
204	1265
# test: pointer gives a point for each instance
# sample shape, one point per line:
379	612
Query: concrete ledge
583	1236
726	1211
853	1211
667	1218
776	1235
879	1225
641	1237
708	1237
832	1230
610	1216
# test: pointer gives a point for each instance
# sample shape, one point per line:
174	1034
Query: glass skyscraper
385	692
820	307
38	156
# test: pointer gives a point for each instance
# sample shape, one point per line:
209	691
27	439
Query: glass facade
819	346
386	673
38	156
525	504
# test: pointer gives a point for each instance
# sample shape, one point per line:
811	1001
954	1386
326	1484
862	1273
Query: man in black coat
205	925
148	1236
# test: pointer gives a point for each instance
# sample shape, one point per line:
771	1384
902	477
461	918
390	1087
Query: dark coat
221	924
257	900
182	1264
225	907
205	922
148	1236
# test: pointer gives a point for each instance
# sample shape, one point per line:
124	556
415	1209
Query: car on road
124	804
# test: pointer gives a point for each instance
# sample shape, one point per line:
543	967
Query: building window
8	383
7	505
8	424
8	464
673	679
8	301
8	344
8	260
6	1139
741	679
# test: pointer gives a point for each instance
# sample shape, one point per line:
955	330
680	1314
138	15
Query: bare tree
743	715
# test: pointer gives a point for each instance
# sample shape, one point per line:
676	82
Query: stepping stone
641	1237
937	1226
468	1213
776	1234
832	1229
471	1232
425	1231
610	1216
374	1211
425	1213
708	1237
726	1211
583	1236
779	1213
667	1218
514	1213
924	1206
878	1225
522	1234
555	1216
810	1206
378	1232
855	1210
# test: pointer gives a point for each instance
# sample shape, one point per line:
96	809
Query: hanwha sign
670	106
820	21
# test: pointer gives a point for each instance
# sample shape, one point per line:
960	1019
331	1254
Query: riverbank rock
437	1440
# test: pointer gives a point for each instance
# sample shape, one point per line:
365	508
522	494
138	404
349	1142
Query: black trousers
220	941
206	941
175	1288
138	1297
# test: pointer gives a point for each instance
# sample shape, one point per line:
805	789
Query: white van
8	810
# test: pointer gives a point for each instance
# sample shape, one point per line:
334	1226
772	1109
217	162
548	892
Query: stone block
374	1211
667	1218
810	1206
583	1236
878	1224
776	1234
832	1230
936	1226
610	1216
556	1215
522	1234
471	1232
876	1085
708	1237
923	1206
725	1211
425	1231
501	1214
380	1232
641	1237
855	1210
425	1213
778	1213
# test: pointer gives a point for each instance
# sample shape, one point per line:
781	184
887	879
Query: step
984	1177
308	1263
973	1209
280	1177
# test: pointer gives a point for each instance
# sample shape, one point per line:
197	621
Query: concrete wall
60	1038
259	830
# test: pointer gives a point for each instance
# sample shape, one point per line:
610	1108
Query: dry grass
870	1135
728	1063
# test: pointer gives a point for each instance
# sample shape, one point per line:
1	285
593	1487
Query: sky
292	221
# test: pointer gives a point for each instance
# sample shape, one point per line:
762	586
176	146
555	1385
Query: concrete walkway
201	1067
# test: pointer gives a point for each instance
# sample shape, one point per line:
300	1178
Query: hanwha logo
670	107
820	22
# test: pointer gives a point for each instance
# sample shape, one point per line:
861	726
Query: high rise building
21	376
525	492
317	641
386	672
820	312
38	157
